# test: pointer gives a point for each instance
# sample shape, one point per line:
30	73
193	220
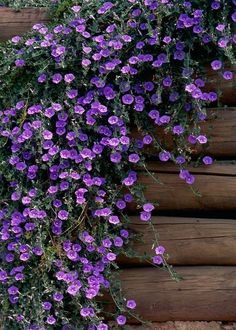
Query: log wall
199	233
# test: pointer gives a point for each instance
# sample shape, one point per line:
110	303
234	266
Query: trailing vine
81	102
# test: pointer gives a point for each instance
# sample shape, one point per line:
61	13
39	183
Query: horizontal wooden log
205	293
220	128
16	22
216	184
188	241
224	88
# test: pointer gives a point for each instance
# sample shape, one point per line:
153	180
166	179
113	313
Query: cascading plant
71	96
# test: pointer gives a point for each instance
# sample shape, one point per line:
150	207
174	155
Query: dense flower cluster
70	96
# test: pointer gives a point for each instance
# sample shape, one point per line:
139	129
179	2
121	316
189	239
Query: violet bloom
46	305
157	260
207	160
113	219
202	139
111	256
228	75
145	216
115	157
134	158
42	78
120	204
57	296
148	207
216	64
131	304
69	78
178	129
20	63
160	250
164	156
75	9
57	78
127	99
190	179
13	290
105	7
16	39
71	94
15	196
121	320
63	215
180	160
51	320
102	326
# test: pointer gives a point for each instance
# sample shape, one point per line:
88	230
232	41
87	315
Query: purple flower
157	260
71	94
105	7
20	63
16	39
13	290
134	158
207	160
46	305
164	156
76	9
127	99
148	207
51	320
121	320
57	296
57	78
131	304
215	5
21	166
228	75
178	129
160	250
115	157
69	78
63	215
42	78
202	139
216	64
114	219
145	216
111	256
190	179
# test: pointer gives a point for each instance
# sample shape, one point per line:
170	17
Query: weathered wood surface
205	293
216	184
220	128
16	22
188	241
224	88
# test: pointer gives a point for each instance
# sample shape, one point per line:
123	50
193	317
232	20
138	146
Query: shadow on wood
188	241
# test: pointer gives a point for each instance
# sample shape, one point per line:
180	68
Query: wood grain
216	184
205	293
220	128
188	241
16	22
224	88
